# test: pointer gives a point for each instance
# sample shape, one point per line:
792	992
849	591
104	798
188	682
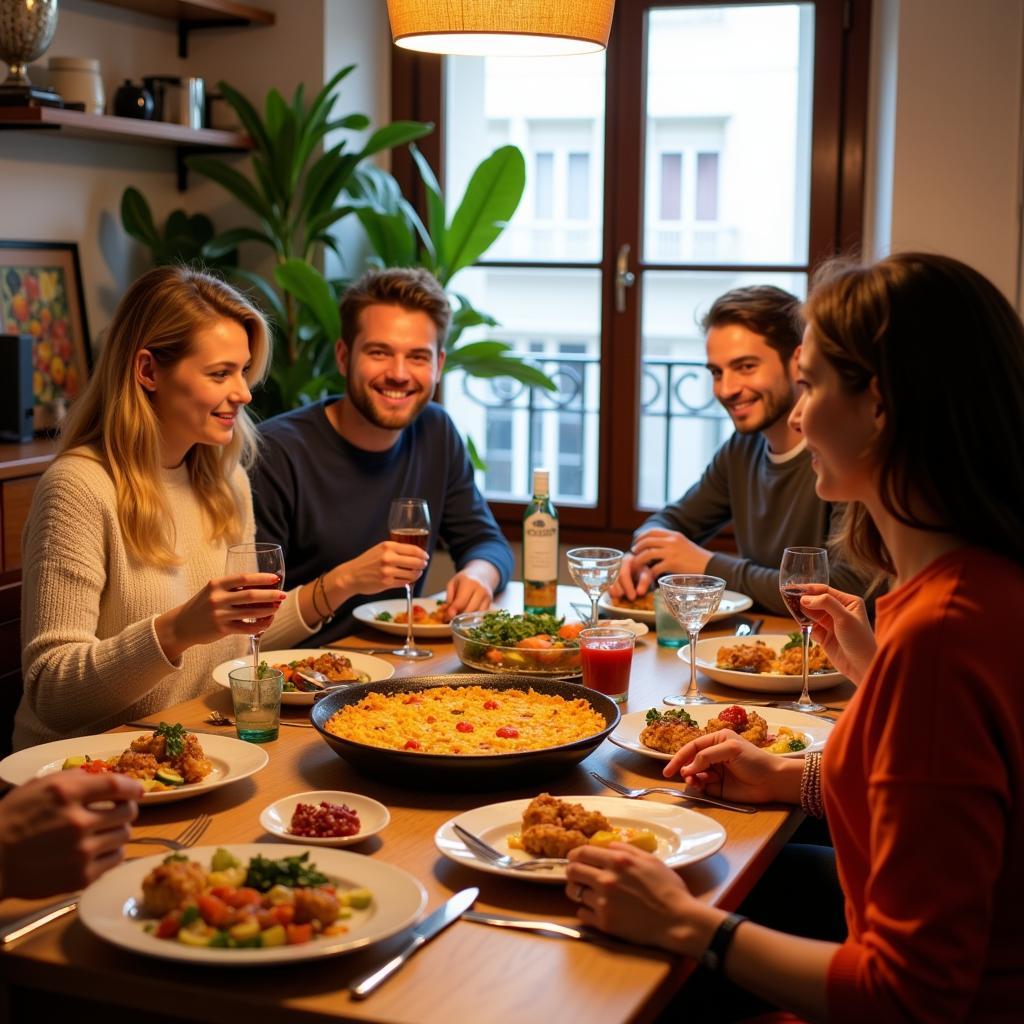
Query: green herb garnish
174	738
795	745
189	914
795	640
294	872
500	629
384	617
674	716
263	669
172	857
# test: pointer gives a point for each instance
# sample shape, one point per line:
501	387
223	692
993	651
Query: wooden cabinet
21	466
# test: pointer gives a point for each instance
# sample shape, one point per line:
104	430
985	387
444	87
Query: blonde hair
114	418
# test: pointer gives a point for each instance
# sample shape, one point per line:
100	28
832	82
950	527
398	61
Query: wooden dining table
470	972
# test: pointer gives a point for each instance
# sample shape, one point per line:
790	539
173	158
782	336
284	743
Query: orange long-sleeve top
923	782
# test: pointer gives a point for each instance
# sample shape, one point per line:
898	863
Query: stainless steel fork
634	794
189	835
502	860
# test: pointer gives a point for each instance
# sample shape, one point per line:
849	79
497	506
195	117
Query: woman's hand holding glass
225	606
842	628
732	768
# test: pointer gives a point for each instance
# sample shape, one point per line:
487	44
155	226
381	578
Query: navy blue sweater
326	501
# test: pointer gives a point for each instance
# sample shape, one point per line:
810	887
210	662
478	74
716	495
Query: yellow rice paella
466	720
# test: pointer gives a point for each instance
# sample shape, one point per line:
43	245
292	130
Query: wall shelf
198	14
76	124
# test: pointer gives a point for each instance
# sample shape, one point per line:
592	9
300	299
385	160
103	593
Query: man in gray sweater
761	479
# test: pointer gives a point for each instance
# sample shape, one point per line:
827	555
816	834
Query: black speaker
17	403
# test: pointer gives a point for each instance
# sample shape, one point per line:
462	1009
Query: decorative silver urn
26	30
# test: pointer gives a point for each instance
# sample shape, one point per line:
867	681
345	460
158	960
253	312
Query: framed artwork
41	295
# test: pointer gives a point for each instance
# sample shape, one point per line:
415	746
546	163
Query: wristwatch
714	956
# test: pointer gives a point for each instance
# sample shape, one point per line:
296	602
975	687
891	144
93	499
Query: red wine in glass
410	536
800	568
791	595
409	523
276	585
252	558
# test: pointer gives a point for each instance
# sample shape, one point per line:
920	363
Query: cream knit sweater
90	656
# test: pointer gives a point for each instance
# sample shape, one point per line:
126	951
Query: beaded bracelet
810	786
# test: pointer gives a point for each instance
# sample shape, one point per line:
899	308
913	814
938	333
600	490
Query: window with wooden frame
713	145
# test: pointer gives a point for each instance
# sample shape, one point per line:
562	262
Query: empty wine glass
692	599
800	567
246	558
594	570
409	523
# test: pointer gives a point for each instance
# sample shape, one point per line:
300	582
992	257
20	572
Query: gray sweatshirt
772	506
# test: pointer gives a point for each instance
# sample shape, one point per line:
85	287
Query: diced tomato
298	933
412	744
464	727
414	699
571	630
431	719
169	926
214	911
490	705
495	657
735	716
506	732
284	913
243	897
96	767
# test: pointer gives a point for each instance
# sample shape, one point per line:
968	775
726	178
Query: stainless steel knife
553	928
448	913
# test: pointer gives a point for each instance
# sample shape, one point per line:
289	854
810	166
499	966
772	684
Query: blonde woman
125	607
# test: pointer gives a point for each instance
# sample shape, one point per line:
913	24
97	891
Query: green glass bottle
540	549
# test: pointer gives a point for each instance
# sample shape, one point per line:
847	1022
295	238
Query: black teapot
133	101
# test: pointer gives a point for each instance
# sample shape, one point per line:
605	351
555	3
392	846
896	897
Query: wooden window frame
839	134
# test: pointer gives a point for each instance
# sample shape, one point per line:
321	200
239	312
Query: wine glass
692	599
800	567
409	523
594	570
246	558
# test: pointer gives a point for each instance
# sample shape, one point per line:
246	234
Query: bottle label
540	548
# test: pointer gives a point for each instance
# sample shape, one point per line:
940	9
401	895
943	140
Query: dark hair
763	309
414	290
947	351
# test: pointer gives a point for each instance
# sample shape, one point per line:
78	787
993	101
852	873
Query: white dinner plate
375	668
108	908
732	603
373	816
759	682
232	760
814	731
684	836
367	613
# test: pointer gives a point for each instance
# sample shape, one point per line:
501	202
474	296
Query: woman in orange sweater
912	379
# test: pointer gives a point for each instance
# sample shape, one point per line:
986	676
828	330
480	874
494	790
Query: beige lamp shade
506	28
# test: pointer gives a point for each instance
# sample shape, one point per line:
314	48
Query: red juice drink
607	654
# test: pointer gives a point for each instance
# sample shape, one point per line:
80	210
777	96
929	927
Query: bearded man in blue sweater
328	471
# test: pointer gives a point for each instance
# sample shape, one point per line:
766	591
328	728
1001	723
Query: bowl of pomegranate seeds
325	817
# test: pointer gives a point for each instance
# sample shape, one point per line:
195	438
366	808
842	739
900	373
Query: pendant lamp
502	28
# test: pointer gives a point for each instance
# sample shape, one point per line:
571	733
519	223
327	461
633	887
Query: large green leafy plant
182	239
447	244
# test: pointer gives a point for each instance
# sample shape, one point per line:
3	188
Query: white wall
945	129
56	188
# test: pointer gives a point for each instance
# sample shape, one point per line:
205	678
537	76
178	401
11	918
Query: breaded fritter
553	827
668	737
551	840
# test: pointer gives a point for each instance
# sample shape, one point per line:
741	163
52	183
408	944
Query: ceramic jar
77	80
